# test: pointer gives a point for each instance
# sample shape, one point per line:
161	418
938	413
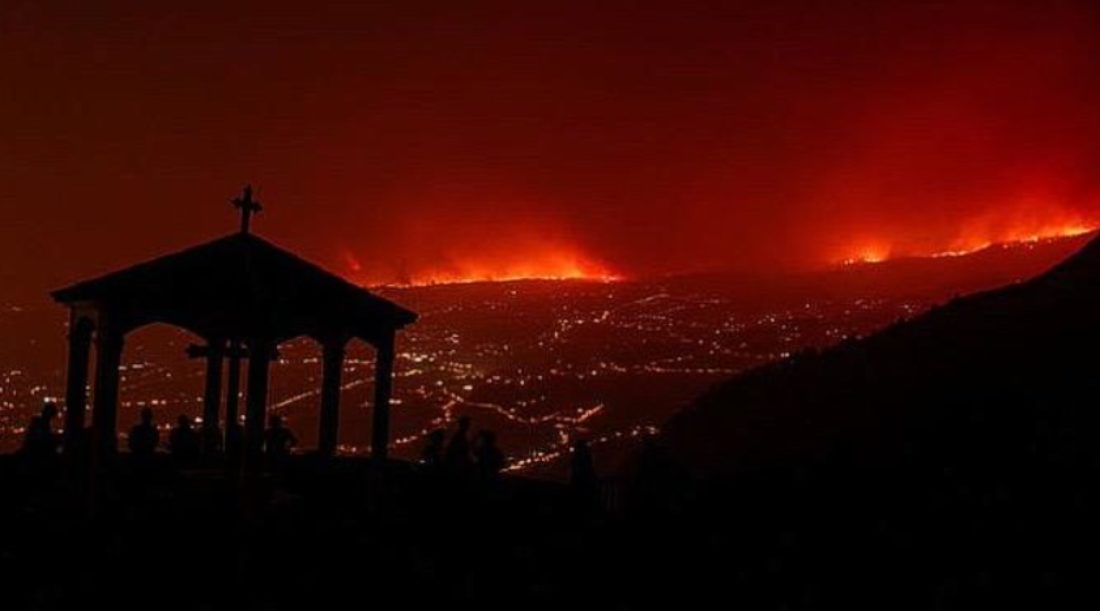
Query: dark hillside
1006	371
950	461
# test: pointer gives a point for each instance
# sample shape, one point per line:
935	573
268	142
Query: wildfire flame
540	264
867	254
560	267
974	240
973	245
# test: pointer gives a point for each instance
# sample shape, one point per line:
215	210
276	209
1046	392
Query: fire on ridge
557	263
879	251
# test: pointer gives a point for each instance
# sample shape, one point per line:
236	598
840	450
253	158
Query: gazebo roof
238	287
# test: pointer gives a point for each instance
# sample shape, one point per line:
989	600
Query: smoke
416	143
751	137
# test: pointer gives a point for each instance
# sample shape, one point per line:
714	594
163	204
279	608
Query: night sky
419	141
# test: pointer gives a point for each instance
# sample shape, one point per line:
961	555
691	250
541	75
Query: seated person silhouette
431	457
457	456
278	440
40	441
487	456
184	441
144	437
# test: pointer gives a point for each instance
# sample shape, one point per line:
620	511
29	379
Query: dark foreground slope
948	461
313	535
1013	371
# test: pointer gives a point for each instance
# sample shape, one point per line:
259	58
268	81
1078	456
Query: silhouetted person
32	434
487	456
584	487
431	457
40	442
457	457
212	439
184	441
40	439
278	440
144	437
582	471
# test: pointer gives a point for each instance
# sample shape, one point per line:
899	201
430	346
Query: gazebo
243	296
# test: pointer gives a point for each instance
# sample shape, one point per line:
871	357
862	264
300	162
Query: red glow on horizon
537	263
980	241
976	237
867	253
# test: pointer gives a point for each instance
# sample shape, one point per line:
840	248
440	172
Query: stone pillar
211	398
383	388
105	405
259	362
327	435
76	382
232	396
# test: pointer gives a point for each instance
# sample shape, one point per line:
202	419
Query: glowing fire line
539	265
877	253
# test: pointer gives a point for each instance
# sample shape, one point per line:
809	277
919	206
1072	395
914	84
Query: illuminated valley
540	362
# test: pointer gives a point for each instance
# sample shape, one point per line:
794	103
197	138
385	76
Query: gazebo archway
243	296
296	389
157	373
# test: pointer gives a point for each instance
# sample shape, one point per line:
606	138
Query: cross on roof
247	206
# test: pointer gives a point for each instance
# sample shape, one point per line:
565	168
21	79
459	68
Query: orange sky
429	141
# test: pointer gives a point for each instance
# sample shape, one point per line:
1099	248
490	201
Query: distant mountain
923	278
1005	377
